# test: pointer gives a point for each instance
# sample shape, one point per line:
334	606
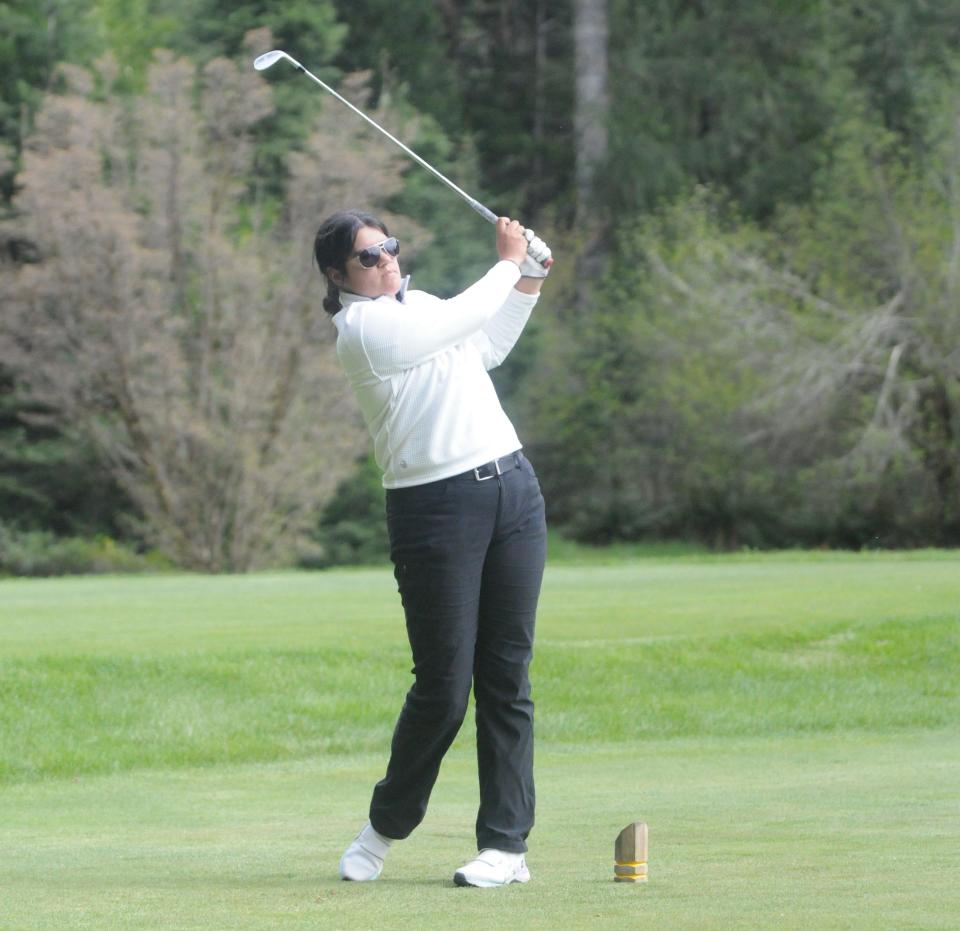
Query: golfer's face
381	278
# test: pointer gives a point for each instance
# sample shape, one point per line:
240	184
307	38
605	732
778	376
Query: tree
591	38
51	479
891	49
639	406
496	78
767	387
177	323
34	36
733	95
870	404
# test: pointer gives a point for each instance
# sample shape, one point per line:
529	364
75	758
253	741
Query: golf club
268	59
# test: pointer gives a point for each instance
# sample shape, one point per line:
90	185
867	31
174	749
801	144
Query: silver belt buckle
486	478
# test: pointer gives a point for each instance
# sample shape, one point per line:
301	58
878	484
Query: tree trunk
590	34
539	97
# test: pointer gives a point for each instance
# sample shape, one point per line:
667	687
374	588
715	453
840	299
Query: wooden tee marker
630	854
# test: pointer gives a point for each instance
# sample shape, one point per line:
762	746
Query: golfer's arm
501	332
395	337
489	291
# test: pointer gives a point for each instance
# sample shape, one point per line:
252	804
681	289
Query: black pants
468	558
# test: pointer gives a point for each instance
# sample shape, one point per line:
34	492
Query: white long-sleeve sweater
419	371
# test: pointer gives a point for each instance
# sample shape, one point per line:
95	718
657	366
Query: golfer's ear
335	276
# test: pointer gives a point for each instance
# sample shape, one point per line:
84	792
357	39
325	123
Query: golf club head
264	61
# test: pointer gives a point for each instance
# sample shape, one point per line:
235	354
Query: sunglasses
371	255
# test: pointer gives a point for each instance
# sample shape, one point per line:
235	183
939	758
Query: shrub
352	529
42	553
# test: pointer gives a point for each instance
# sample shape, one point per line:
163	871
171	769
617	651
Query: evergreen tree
35	35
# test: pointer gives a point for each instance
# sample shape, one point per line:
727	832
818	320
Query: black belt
494	468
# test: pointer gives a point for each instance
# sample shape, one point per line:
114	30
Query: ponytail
331	303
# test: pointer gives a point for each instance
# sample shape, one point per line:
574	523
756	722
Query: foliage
495	76
734	95
872	402
823	410
35	35
352	529
179	344
892	50
52	479
639	421
42	553
310	29
131	30
743	95
758	386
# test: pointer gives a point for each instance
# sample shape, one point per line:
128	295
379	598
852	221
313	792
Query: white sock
374	840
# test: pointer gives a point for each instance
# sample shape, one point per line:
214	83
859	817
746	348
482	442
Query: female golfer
466	524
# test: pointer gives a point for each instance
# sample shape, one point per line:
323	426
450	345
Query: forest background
751	336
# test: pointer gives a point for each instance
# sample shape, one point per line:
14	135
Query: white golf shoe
493	868
363	860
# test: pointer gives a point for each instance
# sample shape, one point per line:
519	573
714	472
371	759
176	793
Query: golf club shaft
488	215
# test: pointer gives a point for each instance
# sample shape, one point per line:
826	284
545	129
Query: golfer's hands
511	242
524	247
536	263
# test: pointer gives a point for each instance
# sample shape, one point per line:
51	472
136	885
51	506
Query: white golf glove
538	260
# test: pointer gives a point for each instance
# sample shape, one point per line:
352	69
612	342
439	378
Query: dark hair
333	245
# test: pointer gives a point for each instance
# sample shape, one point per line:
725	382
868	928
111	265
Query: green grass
800	832
191	751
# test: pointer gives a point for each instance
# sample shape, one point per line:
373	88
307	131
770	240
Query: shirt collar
348	297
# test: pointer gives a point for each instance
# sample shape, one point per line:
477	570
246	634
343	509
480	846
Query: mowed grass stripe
62	716
360	609
72	715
